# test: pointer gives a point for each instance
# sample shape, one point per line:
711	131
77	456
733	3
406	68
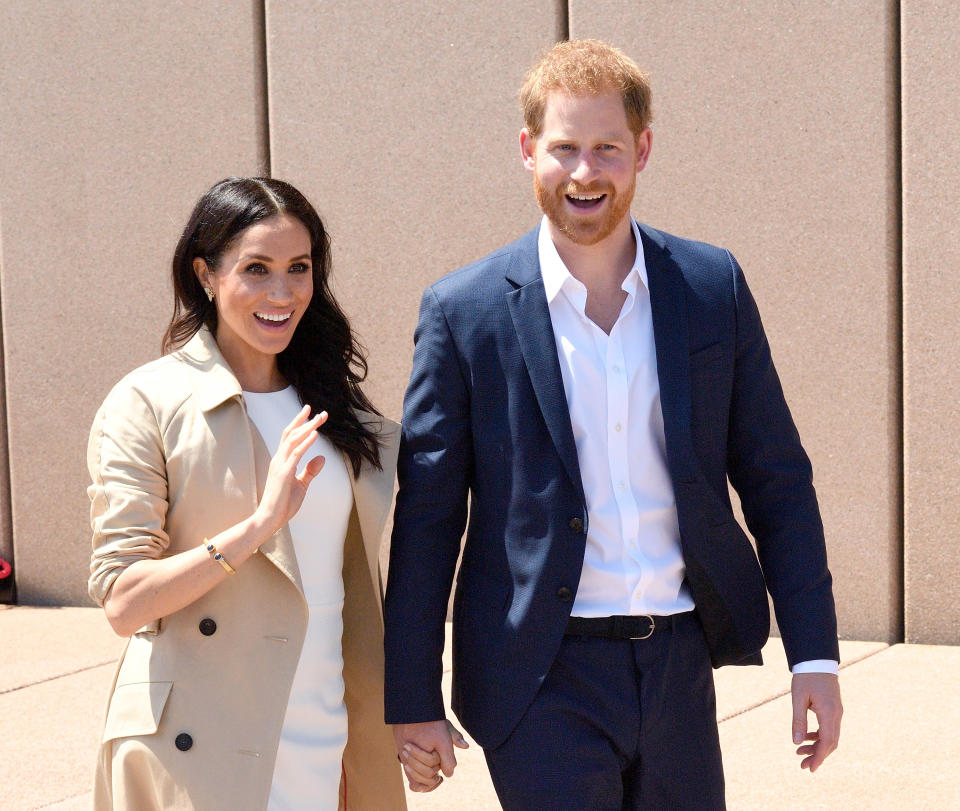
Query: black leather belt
640	626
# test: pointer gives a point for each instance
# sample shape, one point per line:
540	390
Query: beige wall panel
775	136
6	531
116	116
401	127
931	260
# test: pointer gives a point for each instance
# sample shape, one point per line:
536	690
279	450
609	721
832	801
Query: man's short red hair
586	67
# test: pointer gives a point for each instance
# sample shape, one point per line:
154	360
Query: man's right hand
419	746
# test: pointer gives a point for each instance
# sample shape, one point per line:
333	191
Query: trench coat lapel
373	493
214	386
670	335
278	549
531	320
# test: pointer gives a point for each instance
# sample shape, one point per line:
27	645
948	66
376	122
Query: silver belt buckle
648	634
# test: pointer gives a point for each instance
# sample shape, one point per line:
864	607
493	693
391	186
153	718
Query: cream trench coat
198	700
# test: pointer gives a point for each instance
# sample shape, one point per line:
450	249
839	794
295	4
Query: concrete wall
776	134
931	333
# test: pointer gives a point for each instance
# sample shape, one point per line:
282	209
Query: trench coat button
564	594
208	627
184	741
576	524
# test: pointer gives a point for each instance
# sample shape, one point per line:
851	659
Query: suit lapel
531	320
670	335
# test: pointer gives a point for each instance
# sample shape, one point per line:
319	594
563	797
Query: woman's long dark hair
324	362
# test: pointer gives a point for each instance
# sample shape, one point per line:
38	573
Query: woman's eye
256	267
299	267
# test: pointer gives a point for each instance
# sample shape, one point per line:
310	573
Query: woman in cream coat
193	555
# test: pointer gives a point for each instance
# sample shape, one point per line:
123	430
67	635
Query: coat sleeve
773	477
128	493
436	457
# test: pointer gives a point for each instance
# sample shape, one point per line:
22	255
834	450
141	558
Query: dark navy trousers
618	724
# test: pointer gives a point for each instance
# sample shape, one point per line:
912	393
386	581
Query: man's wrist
816	666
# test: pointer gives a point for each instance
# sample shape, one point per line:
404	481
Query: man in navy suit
590	390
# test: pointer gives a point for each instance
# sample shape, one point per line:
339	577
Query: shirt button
617	427
576	524
208	627
564	594
183	741
616	369
622	485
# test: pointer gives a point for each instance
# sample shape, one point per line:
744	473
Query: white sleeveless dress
307	772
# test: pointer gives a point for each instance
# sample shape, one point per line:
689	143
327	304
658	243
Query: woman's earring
209	293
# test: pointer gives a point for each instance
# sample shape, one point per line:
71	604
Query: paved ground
900	747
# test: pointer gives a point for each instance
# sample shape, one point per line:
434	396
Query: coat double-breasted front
198	701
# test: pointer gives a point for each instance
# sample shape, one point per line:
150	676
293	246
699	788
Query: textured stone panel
401	126
6	531
931	330
116	116
775	135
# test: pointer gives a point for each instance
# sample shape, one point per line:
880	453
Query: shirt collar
556	276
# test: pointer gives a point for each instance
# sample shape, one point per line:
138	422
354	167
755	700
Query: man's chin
581	233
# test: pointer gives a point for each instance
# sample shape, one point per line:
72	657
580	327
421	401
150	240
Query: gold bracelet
218	556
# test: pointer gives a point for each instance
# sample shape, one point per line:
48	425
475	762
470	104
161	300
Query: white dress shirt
633	563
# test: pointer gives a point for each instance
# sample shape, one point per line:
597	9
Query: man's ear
644	143
528	145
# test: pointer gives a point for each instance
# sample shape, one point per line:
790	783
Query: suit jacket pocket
135	709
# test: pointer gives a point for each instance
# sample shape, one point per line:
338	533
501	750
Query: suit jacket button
565	594
208	627
576	524
184	741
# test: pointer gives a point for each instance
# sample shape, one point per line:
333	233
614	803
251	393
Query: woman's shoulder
161	386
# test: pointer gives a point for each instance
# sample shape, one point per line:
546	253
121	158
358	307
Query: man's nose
585	169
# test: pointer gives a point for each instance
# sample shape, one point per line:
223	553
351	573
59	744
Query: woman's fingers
419	765
296	422
311	469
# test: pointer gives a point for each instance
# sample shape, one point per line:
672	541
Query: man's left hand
819	692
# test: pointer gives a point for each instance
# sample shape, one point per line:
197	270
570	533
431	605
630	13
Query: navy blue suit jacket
485	417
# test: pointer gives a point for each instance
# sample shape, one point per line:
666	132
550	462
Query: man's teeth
273	317
584	196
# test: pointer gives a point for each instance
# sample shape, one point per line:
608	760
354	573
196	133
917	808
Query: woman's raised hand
285	488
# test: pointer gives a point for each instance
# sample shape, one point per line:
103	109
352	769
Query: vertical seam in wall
897	148
6	507
563	20
263	80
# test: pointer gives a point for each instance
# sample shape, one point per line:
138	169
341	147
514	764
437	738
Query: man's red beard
581	230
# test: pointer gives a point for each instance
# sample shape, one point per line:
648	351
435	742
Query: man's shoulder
684	250
490	272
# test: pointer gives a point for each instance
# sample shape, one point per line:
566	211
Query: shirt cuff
817	666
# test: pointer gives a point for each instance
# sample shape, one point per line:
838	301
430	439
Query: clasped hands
425	750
